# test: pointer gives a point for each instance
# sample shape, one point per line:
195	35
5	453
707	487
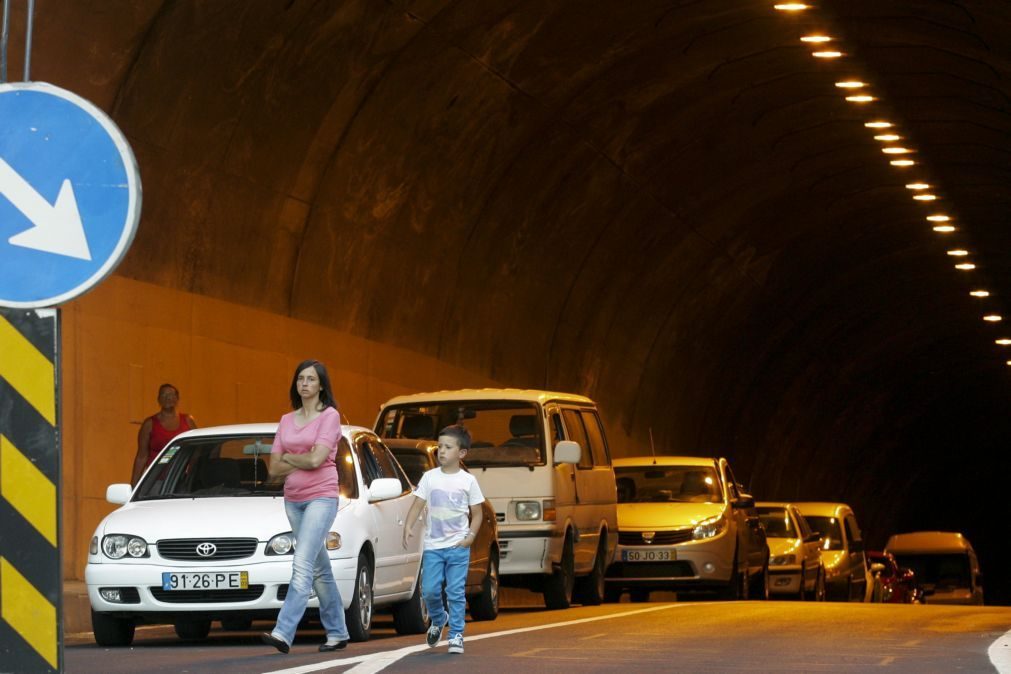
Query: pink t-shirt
305	485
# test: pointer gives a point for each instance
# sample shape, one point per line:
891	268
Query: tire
737	586
802	592
559	585
760	591
637	596
236	624
590	589
484	605
110	631
819	586
359	616
193	630
612	595
411	616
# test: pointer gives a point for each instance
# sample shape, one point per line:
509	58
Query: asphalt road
634	638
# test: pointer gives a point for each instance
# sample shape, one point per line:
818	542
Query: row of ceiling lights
885	134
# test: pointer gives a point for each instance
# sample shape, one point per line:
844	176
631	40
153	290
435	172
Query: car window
577	433
405	482
731	483
943	571
667	484
557	429
346	479
414	462
595	435
802	525
852	531
377	461
829	529
777	523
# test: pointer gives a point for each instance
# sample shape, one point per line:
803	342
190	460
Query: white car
204	537
794	552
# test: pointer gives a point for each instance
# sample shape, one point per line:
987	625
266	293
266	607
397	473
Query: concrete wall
231	363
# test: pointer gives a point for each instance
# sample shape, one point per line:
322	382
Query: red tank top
160	435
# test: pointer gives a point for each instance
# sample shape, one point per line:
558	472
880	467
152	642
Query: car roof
253	429
928	542
528	395
631	461
822	508
773	504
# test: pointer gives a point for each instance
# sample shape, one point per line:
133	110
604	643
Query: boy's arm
476	516
412	518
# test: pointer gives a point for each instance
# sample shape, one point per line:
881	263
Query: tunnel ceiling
667	205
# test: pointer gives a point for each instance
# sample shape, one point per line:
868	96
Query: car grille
652	570
659	537
282	592
500	517
185	549
252	593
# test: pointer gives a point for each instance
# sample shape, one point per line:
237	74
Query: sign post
69	208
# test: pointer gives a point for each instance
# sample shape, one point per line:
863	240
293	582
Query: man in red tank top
158	429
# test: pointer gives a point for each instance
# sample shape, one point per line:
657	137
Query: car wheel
819	586
591	588
736	587
761	586
193	629
638	596
484	605
236	624
559	585
359	616
411	616
110	631
802	592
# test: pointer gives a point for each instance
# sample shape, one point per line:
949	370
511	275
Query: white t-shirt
449	497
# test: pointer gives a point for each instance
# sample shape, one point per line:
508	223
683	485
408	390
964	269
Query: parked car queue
203	536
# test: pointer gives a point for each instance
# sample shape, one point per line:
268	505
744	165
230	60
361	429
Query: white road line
1000	653
376	662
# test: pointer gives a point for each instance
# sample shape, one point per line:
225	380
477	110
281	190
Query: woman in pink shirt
303	453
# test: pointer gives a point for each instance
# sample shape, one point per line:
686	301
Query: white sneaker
456	644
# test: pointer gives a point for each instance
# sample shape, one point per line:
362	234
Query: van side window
574	425
598	446
557	430
852	531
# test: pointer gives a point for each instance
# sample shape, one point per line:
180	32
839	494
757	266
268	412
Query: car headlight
708	528
782	560
282	544
118	546
528	510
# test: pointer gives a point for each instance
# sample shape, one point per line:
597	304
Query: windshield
942	571
503	432
667	484
207	467
829	529
777	523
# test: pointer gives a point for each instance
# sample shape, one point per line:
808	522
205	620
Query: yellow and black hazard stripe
30	569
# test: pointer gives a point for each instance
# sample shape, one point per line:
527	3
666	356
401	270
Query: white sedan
204	537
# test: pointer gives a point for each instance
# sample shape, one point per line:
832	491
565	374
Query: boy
452	495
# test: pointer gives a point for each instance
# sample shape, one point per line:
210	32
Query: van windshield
503	432
828	527
942	571
668	484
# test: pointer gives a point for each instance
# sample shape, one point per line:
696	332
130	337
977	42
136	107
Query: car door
751	534
586	544
809	547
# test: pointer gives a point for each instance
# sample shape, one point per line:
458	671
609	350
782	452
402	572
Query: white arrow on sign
56	228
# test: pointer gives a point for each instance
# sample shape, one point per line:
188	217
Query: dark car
897	584
418	456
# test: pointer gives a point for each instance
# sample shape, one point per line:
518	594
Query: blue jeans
310	522
447	566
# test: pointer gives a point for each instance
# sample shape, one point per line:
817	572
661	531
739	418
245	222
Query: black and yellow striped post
31	604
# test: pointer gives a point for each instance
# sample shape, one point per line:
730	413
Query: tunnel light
958	252
965	266
902	162
980	293
826	54
860	99
1003	341
992	318
944	229
925	197
878	125
791	6
888	137
896	150
816	39
917	186
937	217
850	84
1007	362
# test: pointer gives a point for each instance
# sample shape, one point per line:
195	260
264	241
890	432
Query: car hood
257	517
783	546
665	515
832	558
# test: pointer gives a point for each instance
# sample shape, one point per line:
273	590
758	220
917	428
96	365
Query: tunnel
668	206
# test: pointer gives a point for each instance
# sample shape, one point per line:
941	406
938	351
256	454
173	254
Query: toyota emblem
647	536
206	549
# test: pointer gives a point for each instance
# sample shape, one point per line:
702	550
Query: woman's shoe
335	646
271	640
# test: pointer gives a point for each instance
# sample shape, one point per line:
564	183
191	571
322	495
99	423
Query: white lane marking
376	662
1000	653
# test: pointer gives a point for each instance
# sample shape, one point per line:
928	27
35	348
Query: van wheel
484	605
590	589
359	615
193	629
111	631
411	616
559	585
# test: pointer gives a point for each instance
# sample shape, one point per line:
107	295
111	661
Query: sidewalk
76	607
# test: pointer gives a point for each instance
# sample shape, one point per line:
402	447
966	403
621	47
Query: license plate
210	580
648	555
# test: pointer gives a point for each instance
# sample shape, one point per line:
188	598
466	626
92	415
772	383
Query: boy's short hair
460	432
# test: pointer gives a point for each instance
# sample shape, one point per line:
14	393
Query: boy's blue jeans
310	521
446	566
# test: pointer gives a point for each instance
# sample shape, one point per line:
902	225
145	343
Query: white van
944	563
542	460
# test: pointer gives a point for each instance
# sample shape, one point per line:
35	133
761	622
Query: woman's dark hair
325	391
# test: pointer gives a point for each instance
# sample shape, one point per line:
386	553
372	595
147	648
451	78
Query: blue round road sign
69	195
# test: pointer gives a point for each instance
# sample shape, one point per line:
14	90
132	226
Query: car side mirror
567	451
744	501
813	537
383	488
118	494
